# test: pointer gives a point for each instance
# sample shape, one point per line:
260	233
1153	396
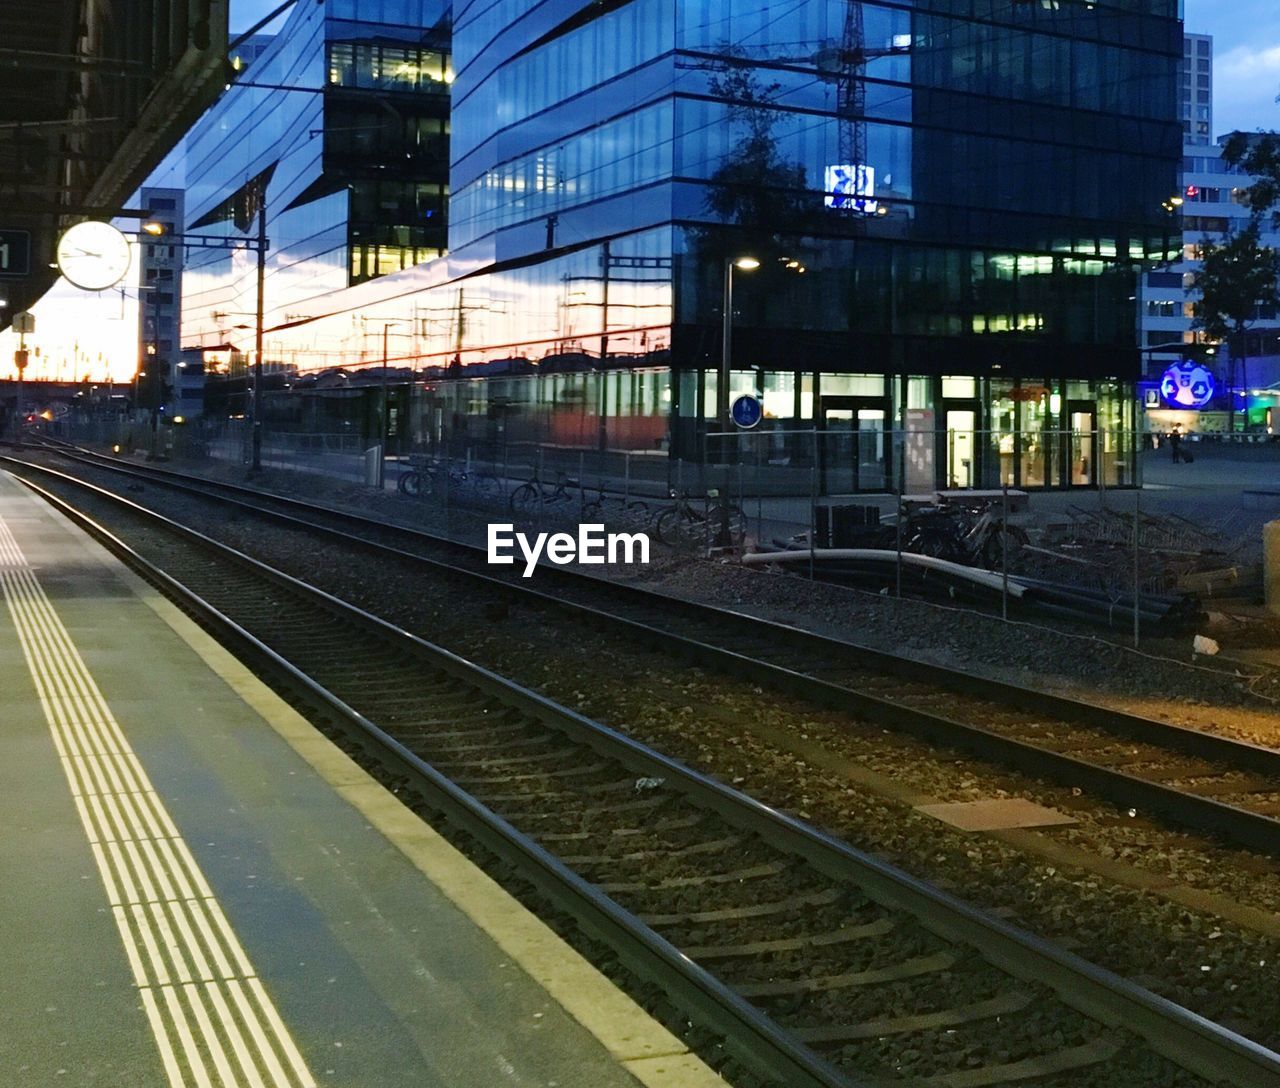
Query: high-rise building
165	380
1196	89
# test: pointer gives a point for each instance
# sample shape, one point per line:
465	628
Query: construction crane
851	182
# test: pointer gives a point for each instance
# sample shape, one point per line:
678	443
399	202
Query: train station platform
197	888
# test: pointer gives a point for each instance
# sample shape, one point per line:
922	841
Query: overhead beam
29	59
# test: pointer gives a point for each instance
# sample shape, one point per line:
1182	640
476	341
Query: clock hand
86	253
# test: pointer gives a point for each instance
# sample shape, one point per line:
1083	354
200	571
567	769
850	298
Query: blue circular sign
747	411
1187	384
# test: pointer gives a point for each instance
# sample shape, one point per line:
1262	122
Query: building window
371	66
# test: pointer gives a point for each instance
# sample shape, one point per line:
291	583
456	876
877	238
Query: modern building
247	52
930	197
334	144
1196	90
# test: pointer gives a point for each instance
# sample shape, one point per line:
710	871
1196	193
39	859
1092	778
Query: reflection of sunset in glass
79	335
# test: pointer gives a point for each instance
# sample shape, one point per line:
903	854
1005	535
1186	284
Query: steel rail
753	1037
1208	1049
1253	830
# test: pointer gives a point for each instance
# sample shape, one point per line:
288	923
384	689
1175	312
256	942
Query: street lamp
747	264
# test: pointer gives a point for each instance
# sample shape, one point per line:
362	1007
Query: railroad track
1193	779
818	965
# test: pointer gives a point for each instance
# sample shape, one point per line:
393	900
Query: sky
1246	60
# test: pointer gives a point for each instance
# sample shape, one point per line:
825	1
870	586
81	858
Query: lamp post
257	336
747	264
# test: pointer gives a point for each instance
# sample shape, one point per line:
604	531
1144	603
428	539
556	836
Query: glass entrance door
962	448
854	445
1082	444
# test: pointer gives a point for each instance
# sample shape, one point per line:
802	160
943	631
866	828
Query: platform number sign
15	253
747	411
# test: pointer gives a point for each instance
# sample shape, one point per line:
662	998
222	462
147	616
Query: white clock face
94	256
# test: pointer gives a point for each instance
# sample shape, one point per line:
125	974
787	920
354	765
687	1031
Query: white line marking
170	1060
153	883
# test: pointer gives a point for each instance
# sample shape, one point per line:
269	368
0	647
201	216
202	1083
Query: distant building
248	51
161	364
1212	194
1196	88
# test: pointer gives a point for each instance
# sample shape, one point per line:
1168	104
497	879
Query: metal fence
957	497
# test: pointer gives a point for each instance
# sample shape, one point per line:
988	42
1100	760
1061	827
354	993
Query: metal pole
1004	556
759	496
604	348
726	352
1137	628
258	330
813	507
902	495
17	405
385	425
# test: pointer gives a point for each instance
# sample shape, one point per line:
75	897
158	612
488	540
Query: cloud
1246	82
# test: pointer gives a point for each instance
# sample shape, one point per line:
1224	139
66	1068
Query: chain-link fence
1053	513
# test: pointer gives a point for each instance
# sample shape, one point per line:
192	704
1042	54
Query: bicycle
419	474
531	497
443	479
974	536
686	527
631	513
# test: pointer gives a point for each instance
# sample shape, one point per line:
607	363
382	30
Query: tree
754	187
1238	275
1258	154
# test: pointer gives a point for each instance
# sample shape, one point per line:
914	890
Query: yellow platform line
193	975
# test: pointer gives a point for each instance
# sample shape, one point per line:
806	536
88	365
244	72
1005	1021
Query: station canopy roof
93	95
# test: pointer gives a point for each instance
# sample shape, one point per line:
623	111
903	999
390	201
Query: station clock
93	256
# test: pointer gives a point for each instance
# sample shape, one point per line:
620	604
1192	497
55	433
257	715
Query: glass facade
930	188
342	127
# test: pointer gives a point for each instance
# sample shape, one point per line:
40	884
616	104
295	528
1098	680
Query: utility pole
604	348
257	356
23	323
384	438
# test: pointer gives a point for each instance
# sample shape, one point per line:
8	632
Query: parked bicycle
444	479
688	525
533	497
974	536
615	510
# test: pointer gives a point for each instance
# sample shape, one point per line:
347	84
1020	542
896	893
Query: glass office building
931	189
338	132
